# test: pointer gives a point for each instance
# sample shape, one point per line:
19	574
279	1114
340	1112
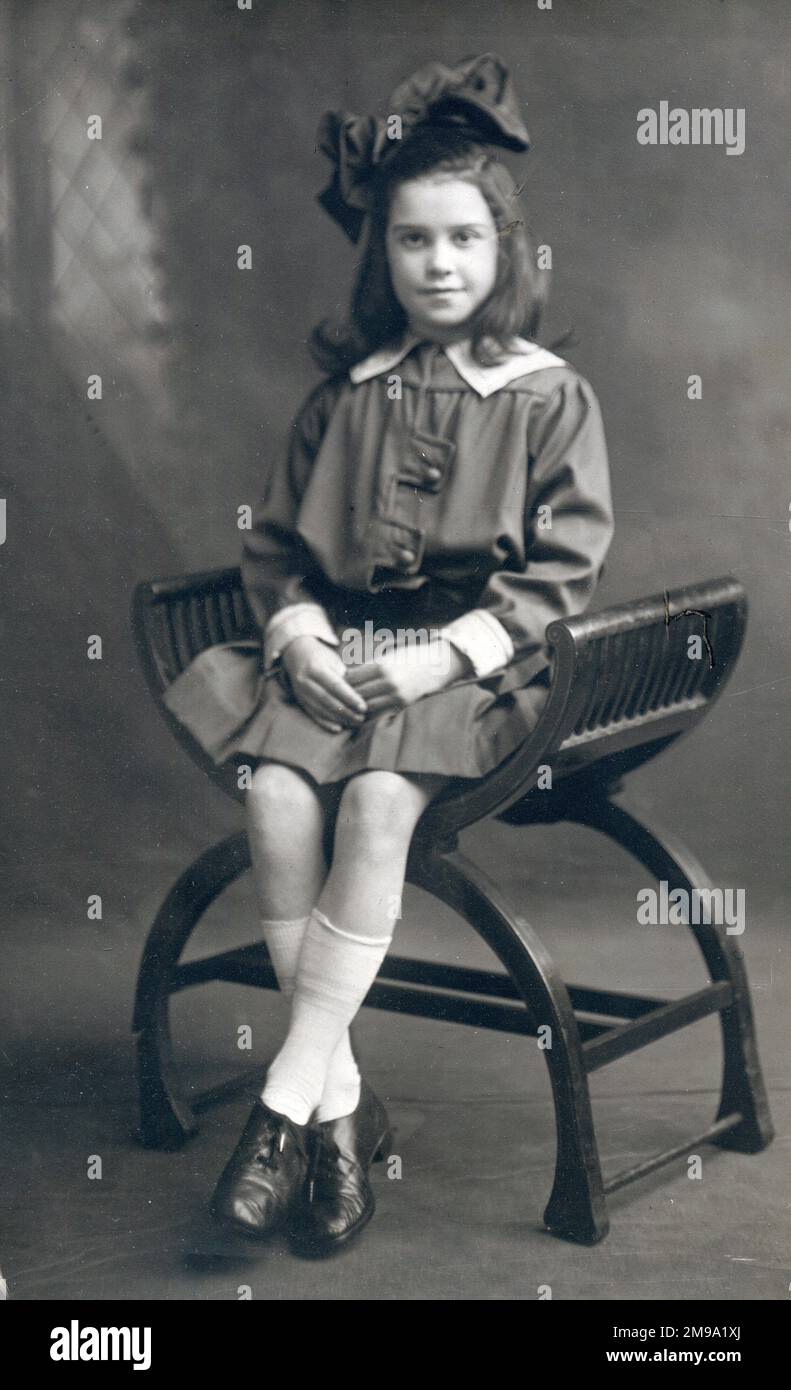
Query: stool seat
627	682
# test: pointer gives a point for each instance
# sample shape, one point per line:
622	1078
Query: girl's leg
349	931
285	824
376	820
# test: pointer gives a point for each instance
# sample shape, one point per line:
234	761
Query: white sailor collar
526	357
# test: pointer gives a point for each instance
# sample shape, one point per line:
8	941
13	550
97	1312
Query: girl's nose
440	260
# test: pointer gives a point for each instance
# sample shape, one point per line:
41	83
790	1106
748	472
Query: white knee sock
335	971
341	1092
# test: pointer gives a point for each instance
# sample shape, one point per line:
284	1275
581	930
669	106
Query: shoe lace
326	1161
268	1151
327	1157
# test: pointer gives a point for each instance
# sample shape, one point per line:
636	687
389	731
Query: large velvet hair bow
476	97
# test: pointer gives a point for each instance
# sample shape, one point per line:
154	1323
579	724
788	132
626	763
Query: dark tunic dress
420	491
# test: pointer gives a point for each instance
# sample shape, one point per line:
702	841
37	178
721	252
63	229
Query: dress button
407	555
434	472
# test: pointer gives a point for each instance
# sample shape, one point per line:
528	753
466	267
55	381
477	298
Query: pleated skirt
235	710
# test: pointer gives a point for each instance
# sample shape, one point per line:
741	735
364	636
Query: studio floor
472	1114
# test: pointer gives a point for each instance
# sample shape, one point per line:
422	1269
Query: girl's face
442	245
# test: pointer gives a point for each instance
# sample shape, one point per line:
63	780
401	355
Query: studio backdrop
120	261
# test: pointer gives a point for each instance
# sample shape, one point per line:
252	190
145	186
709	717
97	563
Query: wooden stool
623	689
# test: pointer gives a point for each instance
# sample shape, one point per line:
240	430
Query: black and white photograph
395	514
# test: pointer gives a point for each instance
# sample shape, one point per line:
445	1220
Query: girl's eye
464	237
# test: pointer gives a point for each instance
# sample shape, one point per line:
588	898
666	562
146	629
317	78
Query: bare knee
280	795
382	808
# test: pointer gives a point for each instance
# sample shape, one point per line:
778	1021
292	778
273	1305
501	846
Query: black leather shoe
265	1175
338	1200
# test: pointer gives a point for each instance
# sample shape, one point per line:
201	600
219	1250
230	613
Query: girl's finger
374	684
308	701
327	706
359	675
322	720
339	690
390	700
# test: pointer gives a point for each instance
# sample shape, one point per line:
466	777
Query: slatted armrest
625	682
176	618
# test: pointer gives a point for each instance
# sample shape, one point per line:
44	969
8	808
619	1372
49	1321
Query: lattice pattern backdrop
89	263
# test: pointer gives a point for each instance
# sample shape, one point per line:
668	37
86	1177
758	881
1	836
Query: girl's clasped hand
338	696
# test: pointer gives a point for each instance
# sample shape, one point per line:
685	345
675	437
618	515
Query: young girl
445	496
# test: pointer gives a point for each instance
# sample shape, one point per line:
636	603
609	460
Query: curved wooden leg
669	860
577	1209
166	1118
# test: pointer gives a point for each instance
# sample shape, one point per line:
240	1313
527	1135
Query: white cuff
296	620
482	638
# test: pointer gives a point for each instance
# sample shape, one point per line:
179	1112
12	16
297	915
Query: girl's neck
444	336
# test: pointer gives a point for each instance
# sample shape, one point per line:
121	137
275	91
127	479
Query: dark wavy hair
377	318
